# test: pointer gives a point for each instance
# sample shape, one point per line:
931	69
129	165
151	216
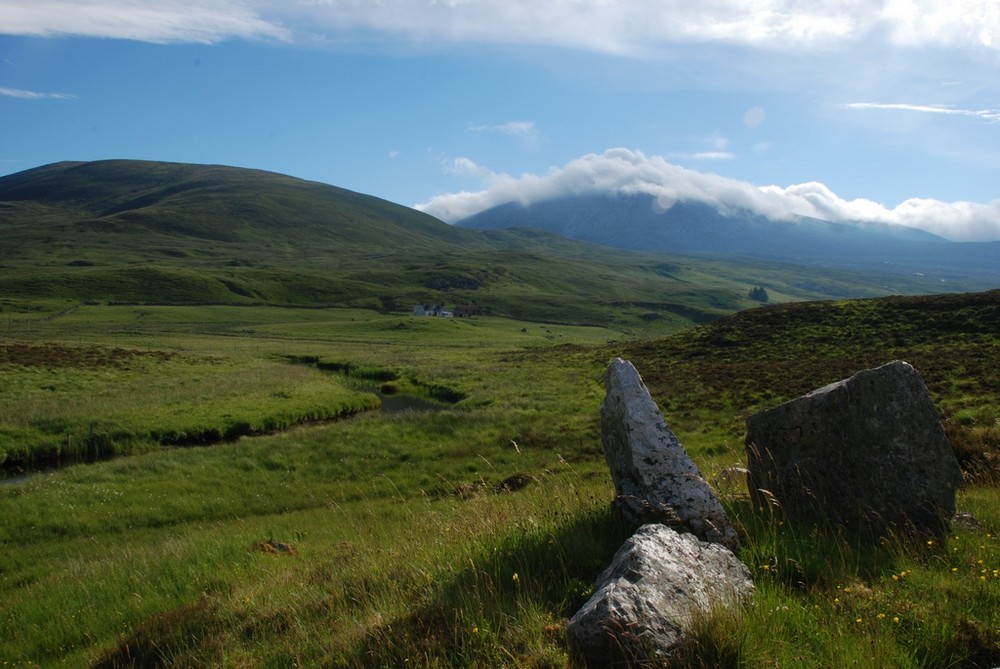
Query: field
239	506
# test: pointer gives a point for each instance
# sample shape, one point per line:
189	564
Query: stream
394	403
17	478
403	402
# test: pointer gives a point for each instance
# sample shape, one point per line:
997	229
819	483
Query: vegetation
153	233
758	294
236	500
466	536
73	403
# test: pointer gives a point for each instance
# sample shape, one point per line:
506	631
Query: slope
166	233
639	222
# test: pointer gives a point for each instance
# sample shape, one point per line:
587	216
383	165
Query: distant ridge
636	222
148	232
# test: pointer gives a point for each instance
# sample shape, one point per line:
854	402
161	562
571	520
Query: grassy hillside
758	358
163	233
463	537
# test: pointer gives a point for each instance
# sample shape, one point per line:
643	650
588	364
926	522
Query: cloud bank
594	25
164	21
631	172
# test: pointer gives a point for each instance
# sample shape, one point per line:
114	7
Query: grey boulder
658	583
868	452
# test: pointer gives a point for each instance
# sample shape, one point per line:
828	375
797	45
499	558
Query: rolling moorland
241	504
147	232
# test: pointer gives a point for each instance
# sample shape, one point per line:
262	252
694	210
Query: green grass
153	233
824	596
71	403
407	530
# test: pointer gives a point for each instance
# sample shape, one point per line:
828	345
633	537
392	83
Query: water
390	404
15	479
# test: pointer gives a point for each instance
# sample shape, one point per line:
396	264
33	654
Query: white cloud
34	95
705	155
463	167
525	131
638	26
947	110
718	142
943	21
628	172
717	145
512	128
164	21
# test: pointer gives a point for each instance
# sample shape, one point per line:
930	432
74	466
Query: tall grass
403	533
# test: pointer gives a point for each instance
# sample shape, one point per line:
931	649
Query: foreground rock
868	452
657	584
655	480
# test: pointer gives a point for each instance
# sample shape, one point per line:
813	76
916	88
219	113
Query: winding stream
403	402
391	404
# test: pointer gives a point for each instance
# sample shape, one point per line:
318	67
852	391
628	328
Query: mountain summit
638	222
214	203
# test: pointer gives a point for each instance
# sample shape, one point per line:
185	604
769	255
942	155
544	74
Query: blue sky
860	109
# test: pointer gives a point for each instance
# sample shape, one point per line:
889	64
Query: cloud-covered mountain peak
629	172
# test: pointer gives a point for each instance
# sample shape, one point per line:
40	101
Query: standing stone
645	601
868	452
655	480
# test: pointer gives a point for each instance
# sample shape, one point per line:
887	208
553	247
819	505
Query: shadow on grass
508	606
165	639
803	555
505	603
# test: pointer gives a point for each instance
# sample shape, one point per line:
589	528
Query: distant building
428	309
439	310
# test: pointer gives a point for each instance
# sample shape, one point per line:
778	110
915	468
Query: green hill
757	358
143	232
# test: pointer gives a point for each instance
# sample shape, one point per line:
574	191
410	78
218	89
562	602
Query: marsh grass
407	532
99	532
66	404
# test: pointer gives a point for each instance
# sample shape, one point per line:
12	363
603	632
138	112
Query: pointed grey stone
655	480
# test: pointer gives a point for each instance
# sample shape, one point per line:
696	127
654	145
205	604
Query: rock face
655	480
657	583
868	452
